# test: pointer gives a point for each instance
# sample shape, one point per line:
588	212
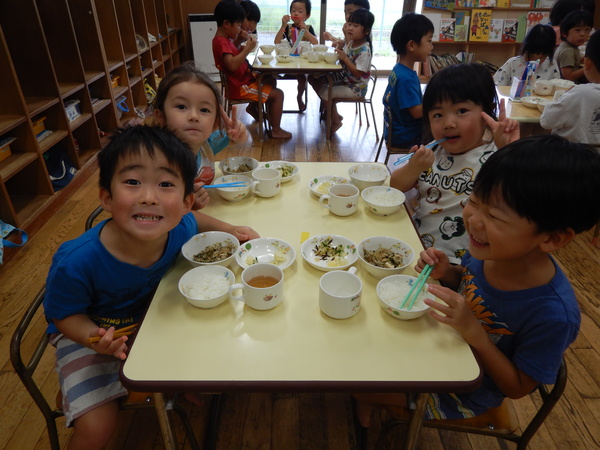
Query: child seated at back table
105	278
229	16
349	7
576	115
538	44
459	105
574	32
411	40
299	14
509	299
356	64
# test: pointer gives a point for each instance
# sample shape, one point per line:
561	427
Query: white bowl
233	194
238	165
312	252
206	286
400	286
283	58
267	49
560	83
532	102
320	48
383	200
331	58
288	170
202	241
366	175
403	255
265	59
266	250
543	87
320	185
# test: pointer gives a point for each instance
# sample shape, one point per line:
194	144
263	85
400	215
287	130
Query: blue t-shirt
403	91
86	279
532	327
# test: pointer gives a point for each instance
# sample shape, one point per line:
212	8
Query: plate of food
266	250
329	252
288	170
532	102
320	185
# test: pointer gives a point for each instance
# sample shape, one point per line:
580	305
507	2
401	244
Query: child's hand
422	159
285	20
436	258
251	43
244	233
201	197
109	346
328	37
235	129
342	55
505	130
457	313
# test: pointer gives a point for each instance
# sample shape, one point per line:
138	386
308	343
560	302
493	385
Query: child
563	7
299	14
411	40
232	61
104	279
349	7
251	20
574	31
459	104
538	44
509	299
190	105
356	61
576	115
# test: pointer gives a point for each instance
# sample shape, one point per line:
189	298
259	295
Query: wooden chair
366	100
390	150
228	102
500	422
26	370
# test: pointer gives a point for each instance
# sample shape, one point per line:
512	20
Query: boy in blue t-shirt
104	279
411	39
509	299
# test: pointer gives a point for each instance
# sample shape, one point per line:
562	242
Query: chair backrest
89	222
225	91
373	83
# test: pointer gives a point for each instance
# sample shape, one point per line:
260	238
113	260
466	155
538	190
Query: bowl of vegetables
238	165
288	170
211	248
382	256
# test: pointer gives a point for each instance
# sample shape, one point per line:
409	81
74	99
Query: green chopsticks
417	287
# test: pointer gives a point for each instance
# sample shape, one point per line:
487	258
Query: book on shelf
439	4
461	25
522	28
520	3
486	4
496	30
438	62
537	17
465	57
447	26
502	3
544	4
43	135
465	3
435	19
509	30
479	31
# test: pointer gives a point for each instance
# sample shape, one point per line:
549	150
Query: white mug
262	286
339	293
342	199
267	182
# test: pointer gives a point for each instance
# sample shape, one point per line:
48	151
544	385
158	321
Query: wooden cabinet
96	54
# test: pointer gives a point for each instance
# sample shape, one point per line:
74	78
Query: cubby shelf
72	50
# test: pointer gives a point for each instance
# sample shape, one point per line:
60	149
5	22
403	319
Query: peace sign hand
235	129
505	130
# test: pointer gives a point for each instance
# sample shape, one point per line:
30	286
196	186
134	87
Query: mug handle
324	198
233	287
254	187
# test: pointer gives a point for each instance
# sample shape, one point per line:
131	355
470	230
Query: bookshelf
57	53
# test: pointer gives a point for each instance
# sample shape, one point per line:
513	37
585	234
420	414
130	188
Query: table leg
260	107
415	421
164	420
329	106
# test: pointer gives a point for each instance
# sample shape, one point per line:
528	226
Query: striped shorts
87	379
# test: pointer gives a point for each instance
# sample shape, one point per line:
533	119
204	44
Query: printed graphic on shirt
595	122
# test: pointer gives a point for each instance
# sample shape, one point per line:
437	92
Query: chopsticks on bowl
226	185
125	331
407	157
417	287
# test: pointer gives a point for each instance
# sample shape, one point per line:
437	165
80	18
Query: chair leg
374	121
189	430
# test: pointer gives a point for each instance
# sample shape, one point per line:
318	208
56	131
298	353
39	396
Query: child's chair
366	100
390	150
501	422
229	102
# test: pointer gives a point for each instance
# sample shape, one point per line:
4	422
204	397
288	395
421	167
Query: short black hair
540	39
592	50
563	7
365	18
545	179
410	27
306	3
229	10
362	3
575	19
139	139
461	82
252	10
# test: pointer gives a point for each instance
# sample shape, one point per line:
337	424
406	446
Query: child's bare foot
335	126
280	134
252	109
301	104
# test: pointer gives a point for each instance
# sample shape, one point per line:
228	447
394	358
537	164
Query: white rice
384	198
207	287
394	294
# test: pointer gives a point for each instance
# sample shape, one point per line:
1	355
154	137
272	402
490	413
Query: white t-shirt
576	115
515	66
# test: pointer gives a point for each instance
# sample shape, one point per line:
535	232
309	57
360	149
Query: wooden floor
287	420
